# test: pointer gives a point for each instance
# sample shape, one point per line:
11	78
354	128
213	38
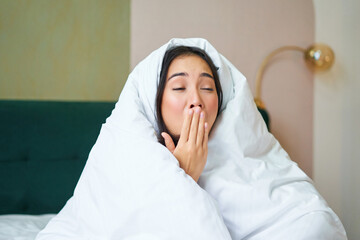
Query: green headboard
43	148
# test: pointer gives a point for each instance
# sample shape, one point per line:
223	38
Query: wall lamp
318	57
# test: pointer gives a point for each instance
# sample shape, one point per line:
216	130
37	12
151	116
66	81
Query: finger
201	130
184	136
206	137
194	125
169	143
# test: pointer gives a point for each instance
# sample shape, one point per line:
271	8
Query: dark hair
169	56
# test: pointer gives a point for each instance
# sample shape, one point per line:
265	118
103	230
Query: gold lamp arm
260	72
318	57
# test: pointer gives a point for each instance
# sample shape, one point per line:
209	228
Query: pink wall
245	32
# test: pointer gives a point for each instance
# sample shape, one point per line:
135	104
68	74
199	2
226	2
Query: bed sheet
22	227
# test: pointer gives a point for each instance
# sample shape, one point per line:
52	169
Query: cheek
172	109
212	108
213	104
172	104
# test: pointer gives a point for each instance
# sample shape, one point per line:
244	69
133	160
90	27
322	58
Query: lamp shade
319	57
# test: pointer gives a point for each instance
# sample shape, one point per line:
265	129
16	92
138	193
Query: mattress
22	227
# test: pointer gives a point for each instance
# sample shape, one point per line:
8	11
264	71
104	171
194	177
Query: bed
44	146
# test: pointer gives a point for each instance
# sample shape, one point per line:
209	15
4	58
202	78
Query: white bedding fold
133	188
21	226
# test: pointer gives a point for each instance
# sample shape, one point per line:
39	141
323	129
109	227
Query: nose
195	100
195	105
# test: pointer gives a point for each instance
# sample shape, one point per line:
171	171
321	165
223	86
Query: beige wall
72	50
245	32
337	112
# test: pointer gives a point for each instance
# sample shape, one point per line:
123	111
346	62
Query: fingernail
190	111
202	115
197	110
206	125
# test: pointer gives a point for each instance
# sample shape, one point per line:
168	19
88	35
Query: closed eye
208	89
178	89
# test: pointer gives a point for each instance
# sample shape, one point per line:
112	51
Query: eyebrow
204	74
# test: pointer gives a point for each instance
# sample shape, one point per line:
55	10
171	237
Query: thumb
169	143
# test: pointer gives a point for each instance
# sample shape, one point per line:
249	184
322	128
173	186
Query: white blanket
22	227
133	188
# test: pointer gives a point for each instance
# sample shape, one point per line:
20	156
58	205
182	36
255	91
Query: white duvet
133	188
22	227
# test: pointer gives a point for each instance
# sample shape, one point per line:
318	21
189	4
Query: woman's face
189	84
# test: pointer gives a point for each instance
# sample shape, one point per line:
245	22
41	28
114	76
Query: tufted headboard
43	148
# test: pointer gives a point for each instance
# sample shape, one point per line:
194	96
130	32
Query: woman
187	102
236	183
